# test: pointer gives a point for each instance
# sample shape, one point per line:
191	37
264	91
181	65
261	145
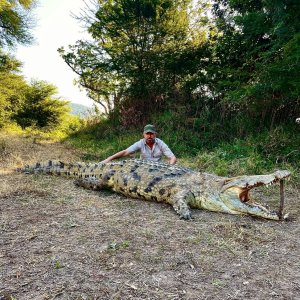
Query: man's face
149	137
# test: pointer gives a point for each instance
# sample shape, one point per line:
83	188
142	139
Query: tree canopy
15	22
231	57
32	104
12	87
258	54
41	108
135	60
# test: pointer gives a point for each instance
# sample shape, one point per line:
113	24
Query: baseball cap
149	128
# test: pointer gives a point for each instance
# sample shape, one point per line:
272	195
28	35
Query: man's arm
167	152
122	153
133	148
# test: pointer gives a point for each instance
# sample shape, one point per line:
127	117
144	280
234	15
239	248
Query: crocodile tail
56	167
45	167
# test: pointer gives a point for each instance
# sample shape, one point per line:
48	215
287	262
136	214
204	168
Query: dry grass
58	241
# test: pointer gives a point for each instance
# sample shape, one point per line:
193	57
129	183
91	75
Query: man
150	147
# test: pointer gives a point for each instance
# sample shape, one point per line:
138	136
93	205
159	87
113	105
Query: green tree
15	22
139	54
256	69
41	108
12	87
15	25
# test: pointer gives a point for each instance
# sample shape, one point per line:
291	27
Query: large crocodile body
180	187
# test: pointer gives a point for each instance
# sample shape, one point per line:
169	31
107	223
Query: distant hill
79	110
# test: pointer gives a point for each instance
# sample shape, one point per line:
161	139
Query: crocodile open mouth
240	187
247	183
244	193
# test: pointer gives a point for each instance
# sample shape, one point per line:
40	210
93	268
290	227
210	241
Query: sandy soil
58	241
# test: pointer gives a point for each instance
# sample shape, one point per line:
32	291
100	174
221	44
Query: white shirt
159	149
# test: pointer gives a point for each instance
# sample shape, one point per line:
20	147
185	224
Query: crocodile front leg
180	203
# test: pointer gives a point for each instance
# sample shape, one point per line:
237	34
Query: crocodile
181	187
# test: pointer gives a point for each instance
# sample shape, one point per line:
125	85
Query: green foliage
140	52
258	55
149	56
9	64
12	87
15	22
41	108
31	105
217	151
254	155
99	140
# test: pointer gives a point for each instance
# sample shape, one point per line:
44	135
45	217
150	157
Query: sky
55	27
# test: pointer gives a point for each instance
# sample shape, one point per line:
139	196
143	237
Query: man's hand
105	161
298	120
172	160
122	153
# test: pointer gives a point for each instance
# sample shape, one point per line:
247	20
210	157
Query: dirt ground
58	241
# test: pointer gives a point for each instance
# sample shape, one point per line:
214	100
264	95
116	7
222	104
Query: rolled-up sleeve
165	149
134	147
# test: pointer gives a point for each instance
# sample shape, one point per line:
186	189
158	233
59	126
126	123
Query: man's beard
150	141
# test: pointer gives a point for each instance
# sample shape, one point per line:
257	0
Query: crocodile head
236	197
